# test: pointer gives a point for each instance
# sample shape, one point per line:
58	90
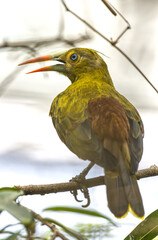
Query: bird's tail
123	192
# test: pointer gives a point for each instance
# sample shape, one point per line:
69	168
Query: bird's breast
69	108
74	100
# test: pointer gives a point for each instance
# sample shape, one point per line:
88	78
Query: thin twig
31	44
113	43
138	69
56	232
110	7
70	186
121	34
84	21
114	11
126	21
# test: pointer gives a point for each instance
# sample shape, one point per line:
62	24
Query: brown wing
110	123
119	136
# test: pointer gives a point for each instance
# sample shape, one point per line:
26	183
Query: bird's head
76	63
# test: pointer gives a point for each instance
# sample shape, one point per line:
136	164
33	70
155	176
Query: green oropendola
99	124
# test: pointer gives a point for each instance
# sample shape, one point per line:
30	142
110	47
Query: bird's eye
74	57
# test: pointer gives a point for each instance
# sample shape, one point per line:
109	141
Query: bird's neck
94	76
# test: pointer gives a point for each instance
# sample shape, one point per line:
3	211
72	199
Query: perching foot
80	180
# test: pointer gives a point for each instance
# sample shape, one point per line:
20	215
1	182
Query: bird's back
69	112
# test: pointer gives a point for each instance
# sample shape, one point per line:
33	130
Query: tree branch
32	44
71	186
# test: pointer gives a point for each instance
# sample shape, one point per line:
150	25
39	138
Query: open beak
55	57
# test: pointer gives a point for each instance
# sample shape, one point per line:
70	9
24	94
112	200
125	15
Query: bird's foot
80	180
83	189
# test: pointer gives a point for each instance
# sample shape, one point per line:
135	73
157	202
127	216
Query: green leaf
8	203
13	236
11	193
92	213
147	229
95	231
67	230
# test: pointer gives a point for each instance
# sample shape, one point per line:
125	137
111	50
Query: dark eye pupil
73	56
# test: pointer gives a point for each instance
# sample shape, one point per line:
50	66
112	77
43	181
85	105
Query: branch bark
71	186
32	44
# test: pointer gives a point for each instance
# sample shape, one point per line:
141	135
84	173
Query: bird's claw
85	191
79	179
75	193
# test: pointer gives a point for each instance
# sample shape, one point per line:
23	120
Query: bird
99	124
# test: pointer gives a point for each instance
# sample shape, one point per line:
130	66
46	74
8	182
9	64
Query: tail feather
131	189
117	200
123	193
